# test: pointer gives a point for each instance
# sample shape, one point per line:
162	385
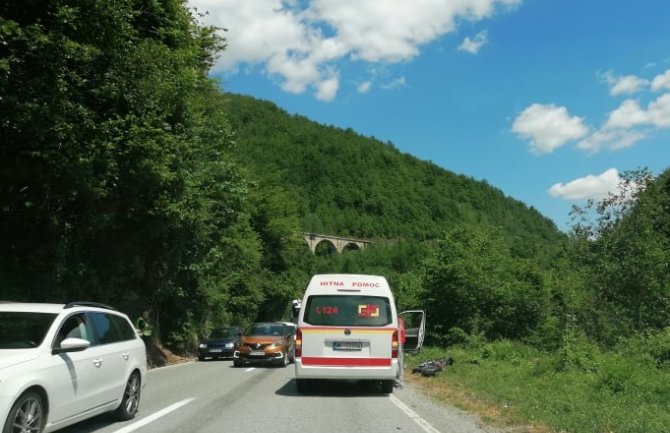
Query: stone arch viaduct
340	243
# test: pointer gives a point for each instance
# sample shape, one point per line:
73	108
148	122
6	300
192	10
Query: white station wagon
61	364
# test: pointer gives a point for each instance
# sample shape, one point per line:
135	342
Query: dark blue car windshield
224	333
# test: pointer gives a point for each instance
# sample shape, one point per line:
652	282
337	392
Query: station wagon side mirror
71	345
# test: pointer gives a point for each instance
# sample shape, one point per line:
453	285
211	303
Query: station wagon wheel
27	415
130	403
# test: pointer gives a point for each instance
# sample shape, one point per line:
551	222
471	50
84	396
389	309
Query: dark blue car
220	343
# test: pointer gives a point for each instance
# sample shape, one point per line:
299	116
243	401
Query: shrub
654	346
577	353
457	336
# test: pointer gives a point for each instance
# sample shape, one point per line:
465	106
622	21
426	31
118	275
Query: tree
472	282
627	247
116	178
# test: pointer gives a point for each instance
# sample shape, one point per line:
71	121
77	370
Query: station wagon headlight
203	346
229	345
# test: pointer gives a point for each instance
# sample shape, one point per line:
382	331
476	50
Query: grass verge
583	390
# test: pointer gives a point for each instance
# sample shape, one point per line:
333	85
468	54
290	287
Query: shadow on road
334	388
96	423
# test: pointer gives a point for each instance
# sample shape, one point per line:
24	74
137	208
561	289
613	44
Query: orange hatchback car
268	343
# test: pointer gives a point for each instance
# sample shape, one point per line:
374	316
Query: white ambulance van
348	329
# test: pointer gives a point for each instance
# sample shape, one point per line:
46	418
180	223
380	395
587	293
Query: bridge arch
340	243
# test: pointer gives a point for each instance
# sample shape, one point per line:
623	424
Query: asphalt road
212	396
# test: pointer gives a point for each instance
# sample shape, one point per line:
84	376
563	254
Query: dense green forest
129	177
348	184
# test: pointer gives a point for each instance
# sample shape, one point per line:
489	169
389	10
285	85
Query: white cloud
395	84
661	81
299	74
625	84
364	87
659	111
631	114
628	124
473	45
628	114
589	187
327	89
610	138
301	41
548	127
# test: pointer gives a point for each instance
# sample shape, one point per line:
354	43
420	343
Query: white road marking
179	364
154	417
249	369
425	425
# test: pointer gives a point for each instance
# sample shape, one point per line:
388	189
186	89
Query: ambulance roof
349	283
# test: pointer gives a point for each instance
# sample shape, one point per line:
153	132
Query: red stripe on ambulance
346	362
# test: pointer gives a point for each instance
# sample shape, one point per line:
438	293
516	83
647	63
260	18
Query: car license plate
256	353
347	345
215	350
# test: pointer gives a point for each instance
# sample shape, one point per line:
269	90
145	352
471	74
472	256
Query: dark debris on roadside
432	367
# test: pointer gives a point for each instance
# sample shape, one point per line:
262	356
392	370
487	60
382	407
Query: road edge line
425	425
153	417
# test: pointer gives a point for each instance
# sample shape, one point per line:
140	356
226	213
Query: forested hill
348	184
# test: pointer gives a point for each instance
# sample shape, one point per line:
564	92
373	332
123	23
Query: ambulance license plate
347	345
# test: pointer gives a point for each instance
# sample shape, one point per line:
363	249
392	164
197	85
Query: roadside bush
634	378
506	350
456	336
578	353
549	335
654	345
616	376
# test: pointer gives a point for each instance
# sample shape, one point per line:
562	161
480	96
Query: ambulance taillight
298	344
394	344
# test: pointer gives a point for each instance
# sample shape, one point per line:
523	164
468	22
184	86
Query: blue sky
547	100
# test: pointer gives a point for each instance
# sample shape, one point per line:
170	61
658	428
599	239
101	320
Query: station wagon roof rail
88	304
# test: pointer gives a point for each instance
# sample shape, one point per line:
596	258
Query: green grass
581	390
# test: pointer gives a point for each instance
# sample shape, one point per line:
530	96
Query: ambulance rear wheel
387	386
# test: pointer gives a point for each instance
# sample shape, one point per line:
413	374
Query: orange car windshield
269	330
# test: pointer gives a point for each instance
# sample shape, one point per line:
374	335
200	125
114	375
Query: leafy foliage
627	250
472	282
351	185
127	177
116	180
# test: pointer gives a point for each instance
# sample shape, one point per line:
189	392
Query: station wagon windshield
23	330
348	310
